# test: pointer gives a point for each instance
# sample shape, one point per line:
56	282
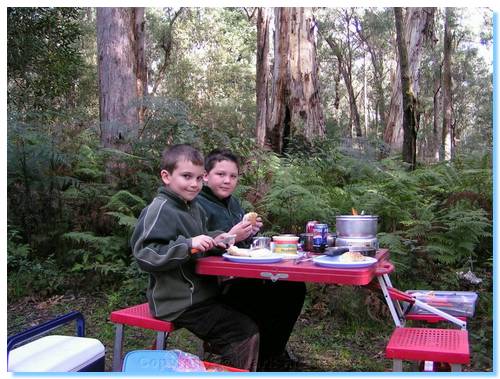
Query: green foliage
100	254
43	59
29	275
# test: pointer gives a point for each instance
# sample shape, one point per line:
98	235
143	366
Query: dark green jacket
222	214
161	244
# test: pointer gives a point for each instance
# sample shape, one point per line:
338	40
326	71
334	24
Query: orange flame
354	212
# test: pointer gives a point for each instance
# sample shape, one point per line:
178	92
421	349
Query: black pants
230	333
274	307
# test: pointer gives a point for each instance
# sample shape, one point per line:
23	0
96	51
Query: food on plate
352	256
251	217
236	251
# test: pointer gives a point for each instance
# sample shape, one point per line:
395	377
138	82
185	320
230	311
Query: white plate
335	262
289	256
271	258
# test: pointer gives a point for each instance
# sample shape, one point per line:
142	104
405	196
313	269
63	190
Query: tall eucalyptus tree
446	151
262	80
343	49
418	28
295	102
409	100
122	74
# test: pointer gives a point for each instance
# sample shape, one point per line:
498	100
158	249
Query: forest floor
324	340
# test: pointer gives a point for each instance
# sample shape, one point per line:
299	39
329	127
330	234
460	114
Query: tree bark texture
122	74
447	139
408	98
295	101
418	26
262	77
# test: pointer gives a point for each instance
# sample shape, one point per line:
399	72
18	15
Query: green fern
126	203
124	220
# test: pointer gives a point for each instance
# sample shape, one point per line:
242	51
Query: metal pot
356	226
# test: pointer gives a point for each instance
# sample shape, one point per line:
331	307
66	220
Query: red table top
303	272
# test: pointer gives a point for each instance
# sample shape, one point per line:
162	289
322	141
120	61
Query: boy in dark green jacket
275	307
169	237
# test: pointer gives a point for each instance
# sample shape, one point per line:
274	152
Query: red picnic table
435	343
303	272
309	272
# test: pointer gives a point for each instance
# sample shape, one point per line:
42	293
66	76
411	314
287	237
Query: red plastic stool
425	344
138	316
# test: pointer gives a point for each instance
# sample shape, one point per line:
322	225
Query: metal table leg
118	346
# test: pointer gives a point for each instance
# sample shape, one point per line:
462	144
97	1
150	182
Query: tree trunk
418	26
122	74
295	101
435	143
408	99
344	58
377	61
447	139
262	81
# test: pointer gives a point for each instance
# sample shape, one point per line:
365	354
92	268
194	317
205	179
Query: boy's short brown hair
175	153
219	155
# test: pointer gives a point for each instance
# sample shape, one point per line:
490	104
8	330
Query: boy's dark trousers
275	308
230	333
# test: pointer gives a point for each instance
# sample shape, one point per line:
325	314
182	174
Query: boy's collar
174	196
210	194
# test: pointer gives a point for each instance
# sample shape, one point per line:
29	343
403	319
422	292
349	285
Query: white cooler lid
55	354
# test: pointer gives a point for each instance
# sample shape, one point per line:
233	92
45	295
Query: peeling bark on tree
446	151
295	101
122	79
262	77
418	26
408	99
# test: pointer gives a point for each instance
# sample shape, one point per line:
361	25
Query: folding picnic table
445	345
310	272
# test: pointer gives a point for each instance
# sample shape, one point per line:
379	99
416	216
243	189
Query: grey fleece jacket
161	244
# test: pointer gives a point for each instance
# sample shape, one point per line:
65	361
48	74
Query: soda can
320	235
310	226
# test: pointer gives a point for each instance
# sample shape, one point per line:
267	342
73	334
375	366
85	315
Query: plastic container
455	303
285	244
156	361
56	353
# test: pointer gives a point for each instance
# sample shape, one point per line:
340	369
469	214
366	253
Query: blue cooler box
55	353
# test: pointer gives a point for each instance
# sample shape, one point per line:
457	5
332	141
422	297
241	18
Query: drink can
320	235
310	226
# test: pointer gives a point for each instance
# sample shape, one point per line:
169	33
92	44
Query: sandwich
236	251
251	217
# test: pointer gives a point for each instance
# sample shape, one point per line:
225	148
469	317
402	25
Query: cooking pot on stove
356	226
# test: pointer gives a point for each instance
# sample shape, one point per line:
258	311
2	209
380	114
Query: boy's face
222	178
185	180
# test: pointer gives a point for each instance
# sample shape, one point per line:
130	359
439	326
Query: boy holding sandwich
170	235
274	307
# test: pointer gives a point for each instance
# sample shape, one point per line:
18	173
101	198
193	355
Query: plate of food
237	254
351	259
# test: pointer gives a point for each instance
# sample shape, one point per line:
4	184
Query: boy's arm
155	242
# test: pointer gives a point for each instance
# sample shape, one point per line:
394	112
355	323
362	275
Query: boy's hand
201	243
224	239
242	230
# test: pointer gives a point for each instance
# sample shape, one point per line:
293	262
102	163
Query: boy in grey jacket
169	237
